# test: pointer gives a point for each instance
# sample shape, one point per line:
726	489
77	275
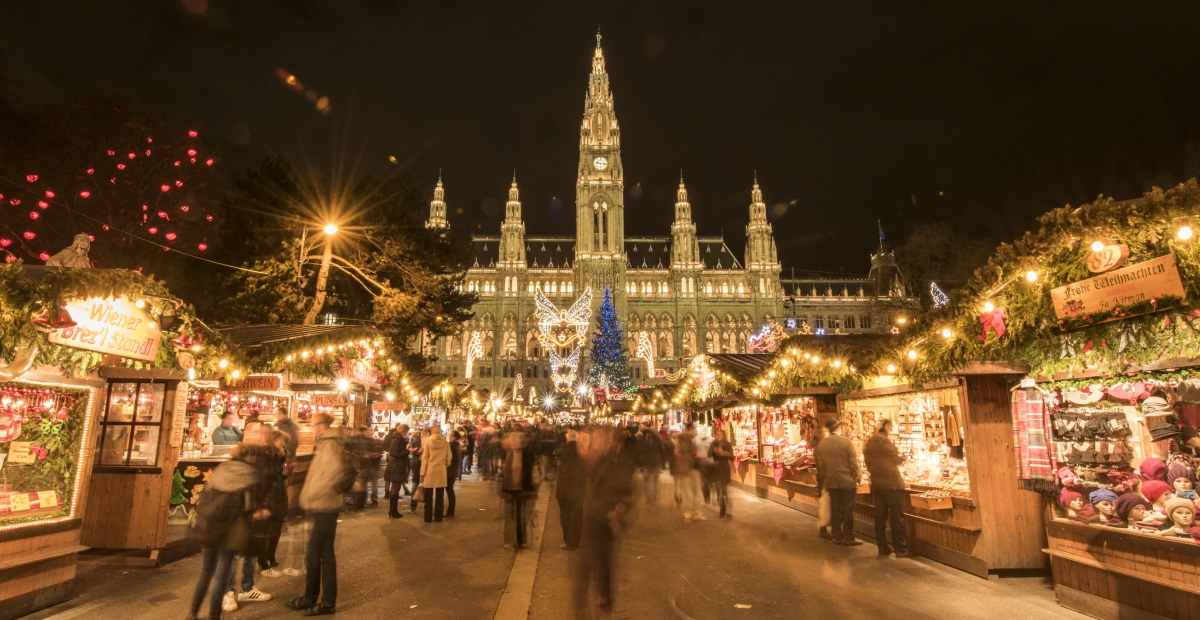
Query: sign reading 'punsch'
113	326
1153	279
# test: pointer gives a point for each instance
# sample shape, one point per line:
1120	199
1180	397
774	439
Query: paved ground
767	557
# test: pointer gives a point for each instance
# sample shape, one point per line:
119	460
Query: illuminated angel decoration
474	352
562	371
560	328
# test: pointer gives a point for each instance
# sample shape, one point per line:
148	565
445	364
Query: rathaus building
689	293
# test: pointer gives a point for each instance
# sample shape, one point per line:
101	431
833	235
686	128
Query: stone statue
74	256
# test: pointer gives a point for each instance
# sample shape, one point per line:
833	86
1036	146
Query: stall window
132	423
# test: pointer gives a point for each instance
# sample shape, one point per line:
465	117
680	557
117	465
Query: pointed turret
512	245
437	207
684	249
761	256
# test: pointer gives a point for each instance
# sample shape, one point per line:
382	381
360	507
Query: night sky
903	112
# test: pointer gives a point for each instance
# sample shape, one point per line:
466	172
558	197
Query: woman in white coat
434	462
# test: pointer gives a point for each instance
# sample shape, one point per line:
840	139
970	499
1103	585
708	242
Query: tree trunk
322	277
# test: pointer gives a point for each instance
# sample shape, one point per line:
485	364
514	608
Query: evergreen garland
608	356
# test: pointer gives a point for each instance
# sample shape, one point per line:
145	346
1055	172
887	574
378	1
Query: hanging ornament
185	341
993	320
940	300
10	426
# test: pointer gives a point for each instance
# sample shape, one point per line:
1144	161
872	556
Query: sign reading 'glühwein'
112	326
254	383
1153	279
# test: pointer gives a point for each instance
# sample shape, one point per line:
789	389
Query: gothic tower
437	208
512	231
761	259
600	189
685	252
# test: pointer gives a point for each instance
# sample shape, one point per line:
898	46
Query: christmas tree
178	492
608	348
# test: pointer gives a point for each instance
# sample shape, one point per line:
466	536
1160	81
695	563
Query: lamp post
322	275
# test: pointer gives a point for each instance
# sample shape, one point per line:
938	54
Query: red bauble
166	187
31	178
170	236
84	194
202	247
33	215
29	235
192	133
153	231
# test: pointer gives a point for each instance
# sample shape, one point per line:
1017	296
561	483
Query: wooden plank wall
1131	570
30	586
127	510
1013	533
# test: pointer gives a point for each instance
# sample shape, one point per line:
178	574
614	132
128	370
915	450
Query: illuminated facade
689	294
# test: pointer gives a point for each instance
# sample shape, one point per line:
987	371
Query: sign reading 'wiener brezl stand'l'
112	326
1153	279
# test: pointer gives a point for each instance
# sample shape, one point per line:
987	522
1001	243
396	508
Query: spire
597	36
513	206
437	207
756	199
681	195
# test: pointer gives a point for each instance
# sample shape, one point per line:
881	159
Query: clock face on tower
600	163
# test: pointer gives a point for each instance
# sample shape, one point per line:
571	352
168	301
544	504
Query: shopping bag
419	494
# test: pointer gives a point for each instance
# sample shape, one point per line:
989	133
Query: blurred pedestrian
396	473
704	465
269	493
414	451
453	470
609	498
572	482
687	479
837	473
278	504
325	485
470	433
883	462
720	452
435	466
650	457
516	488
221	525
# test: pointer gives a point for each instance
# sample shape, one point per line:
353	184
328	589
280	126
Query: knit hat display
1162	431
1153	489
1102	495
1178	502
1127	502
1156	406
1066	495
1123	481
1153	469
1178	470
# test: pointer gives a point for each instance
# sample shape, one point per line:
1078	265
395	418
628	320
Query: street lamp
331	229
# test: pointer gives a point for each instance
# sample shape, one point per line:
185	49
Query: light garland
563	380
940	299
474	352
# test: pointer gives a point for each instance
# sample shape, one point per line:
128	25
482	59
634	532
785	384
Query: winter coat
650	451
272	481
325	473
456	459
397	462
883	462
435	462
685	455
572	475
236	476
226	435
837	463
288	427
527	485
610	483
720	464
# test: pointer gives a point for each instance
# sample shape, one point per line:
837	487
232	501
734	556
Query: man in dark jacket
453	470
837	472
572	483
887	489
610	495
397	470
651	455
720	452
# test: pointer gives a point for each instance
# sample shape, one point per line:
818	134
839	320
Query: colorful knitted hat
1153	469
1153	489
1127	502
1102	495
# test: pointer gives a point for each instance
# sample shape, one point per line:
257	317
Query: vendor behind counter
227	433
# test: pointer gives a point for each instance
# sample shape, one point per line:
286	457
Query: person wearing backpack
221	524
330	476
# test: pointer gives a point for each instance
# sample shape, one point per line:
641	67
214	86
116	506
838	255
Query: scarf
1035	465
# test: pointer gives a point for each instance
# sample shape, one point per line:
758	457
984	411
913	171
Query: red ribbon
993	320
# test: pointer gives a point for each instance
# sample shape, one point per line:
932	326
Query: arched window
708	288
724	288
489	344
689	343
665	349
710	345
711	321
849	323
762	286
864	321
510	344
650	322
741	288
743	338
835	322
727	345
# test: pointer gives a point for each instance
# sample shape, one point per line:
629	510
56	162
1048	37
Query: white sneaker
687	515
293	572
254	595
270	572
699	517
229	603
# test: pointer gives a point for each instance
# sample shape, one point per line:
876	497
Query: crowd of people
242	510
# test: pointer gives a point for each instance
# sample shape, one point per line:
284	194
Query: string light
988	306
1097	246
912	354
891	368
946	333
1185	232
1031	275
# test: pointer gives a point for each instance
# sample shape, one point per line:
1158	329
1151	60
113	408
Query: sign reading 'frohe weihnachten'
1153	279
112	326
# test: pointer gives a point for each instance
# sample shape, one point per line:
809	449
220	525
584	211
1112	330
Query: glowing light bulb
912	354
140	303
946	333
988	306
223	363
891	368
1031	275
1185	232
236	374
1097	246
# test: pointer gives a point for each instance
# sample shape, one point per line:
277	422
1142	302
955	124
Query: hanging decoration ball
202	247
33	215
29	235
209	162
166	187
42	204
208	217
192	133
1185	232
49	194
891	368
1031	275
153	230
31	178
84	194
183	208
92	170
44	256
170	236
120	166
5	242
